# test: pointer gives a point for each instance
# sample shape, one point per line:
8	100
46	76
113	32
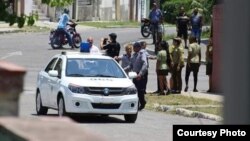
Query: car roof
70	54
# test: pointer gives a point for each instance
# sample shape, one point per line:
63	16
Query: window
50	65
58	67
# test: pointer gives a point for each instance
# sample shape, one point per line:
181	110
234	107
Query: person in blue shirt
62	24
156	18
196	23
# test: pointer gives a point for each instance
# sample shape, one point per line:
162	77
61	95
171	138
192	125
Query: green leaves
172	8
57	3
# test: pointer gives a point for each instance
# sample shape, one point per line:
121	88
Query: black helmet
65	10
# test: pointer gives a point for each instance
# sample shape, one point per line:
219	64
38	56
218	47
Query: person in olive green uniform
209	62
176	54
193	62
162	67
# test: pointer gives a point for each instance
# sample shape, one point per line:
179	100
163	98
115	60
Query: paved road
32	51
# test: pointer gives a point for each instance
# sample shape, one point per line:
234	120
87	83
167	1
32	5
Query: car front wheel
131	118
61	108
40	109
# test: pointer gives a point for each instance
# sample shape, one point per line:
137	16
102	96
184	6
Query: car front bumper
97	104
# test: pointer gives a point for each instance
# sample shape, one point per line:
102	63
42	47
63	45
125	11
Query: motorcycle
145	27
58	38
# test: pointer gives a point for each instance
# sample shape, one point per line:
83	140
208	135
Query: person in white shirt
93	49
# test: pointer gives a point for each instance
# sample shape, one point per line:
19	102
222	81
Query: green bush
172	8
12	19
21	21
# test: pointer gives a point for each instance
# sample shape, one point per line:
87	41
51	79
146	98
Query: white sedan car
76	83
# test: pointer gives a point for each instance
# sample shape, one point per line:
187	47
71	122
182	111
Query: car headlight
76	89
130	90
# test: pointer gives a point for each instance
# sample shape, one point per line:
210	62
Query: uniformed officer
176	54
140	66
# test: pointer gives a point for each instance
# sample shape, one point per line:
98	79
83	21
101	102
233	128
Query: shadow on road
96	119
89	118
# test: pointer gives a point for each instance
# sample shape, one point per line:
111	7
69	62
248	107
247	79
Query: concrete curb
188	113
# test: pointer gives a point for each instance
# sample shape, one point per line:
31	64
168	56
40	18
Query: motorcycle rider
62	24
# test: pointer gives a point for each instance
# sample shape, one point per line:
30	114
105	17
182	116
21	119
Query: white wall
28	6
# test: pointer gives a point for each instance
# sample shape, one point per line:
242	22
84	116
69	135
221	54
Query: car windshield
79	67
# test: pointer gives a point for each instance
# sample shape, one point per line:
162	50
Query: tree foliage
172	8
3	12
57	3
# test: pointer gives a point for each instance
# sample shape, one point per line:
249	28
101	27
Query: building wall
94	10
107	10
28	7
124	10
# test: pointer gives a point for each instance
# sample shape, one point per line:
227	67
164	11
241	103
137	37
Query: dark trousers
193	67
67	35
177	81
140	86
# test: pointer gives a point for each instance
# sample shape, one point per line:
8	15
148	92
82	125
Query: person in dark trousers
182	24
143	49
156	18
193	62
140	66
111	46
176	54
196	25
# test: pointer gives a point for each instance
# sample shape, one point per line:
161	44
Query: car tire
61	107
40	109
131	118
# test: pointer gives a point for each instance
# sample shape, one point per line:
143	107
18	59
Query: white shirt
94	50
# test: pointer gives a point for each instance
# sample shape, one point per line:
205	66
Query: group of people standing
185	23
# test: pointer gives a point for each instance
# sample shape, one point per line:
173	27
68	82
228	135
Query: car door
56	83
45	80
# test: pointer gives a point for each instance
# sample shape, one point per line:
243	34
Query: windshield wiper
76	75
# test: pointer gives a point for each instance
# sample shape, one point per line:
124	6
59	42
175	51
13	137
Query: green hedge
172	7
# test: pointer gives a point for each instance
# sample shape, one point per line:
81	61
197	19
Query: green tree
3	12
57	3
172	8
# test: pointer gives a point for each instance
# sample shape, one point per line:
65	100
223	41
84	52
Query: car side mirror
132	75
53	73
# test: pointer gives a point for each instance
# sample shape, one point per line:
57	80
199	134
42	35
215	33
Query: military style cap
137	44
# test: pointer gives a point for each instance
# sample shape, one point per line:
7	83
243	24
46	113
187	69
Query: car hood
100	82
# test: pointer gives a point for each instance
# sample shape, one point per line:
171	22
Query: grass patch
167	37
111	24
180	100
34	29
175	99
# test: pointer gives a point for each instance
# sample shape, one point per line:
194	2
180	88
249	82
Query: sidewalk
5	28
